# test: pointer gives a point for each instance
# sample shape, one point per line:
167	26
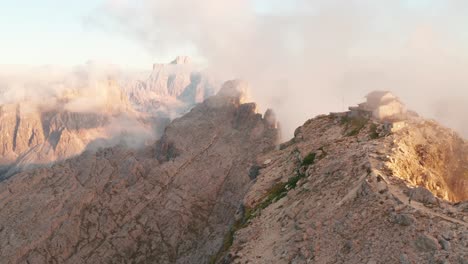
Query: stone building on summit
381	106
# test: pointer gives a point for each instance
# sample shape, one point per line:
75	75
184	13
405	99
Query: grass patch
353	125
292	182
309	159
274	194
277	192
227	242
345	120
373	134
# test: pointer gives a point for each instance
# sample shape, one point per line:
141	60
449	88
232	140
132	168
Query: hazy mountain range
171	169
45	121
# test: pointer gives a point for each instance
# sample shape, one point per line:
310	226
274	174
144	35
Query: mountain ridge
96	113
83	207
371	185
331	197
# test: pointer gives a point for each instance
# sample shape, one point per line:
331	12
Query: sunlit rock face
170	85
171	202
347	190
217	187
425	153
34	134
428	155
83	111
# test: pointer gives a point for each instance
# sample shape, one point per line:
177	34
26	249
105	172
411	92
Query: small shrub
277	192
355	125
292	182
345	120
227	243
309	159
373	134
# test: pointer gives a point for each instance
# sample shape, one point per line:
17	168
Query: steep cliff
216	188
82	112
172	202
434	157
347	190
33	134
176	86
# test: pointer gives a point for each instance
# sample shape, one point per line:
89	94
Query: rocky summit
40	132
377	184
32	134
350	190
169	203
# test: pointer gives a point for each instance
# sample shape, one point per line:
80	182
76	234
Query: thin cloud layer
89	88
305	58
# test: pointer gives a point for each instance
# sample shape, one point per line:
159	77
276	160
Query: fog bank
305	57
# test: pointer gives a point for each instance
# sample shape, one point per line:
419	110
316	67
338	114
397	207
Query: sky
58	32
302	57
55	32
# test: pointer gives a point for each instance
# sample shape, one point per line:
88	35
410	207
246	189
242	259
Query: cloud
92	88
318	54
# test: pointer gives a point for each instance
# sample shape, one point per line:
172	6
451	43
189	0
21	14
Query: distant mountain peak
182	60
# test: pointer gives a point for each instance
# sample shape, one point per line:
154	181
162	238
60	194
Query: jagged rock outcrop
174	85
433	157
340	192
171	203
34	138
32	134
216	189
35	133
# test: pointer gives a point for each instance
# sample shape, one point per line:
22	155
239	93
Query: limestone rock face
133	112
216	188
171	85
330	196
172	202
34	134
433	157
181	60
35	137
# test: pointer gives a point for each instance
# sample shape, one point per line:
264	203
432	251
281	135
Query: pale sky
289	50
56	32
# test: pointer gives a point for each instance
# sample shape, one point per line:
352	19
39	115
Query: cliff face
30	138
34	133
216	189
345	191
169	203
433	157
176	86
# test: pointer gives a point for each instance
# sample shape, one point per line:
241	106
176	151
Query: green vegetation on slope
274	194
353	125
373	134
309	159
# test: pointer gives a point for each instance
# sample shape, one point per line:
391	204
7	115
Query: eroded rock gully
331	196
215	189
128	206
436	158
